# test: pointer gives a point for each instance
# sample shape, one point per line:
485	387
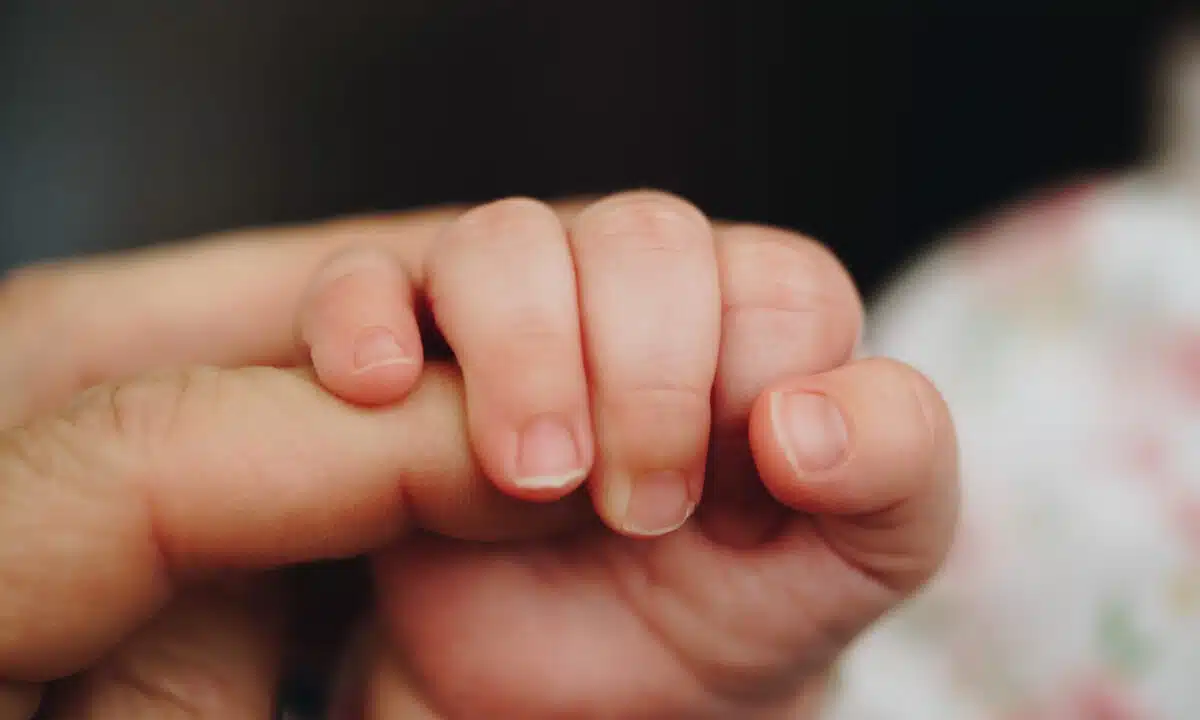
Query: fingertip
552	457
882	485
773	458
370	367
854	440
360	328
650	505
798	435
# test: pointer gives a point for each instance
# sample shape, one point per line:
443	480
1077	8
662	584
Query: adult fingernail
377	347
811	431
18	702
651	505
547	456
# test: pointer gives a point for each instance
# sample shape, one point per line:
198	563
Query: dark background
123	123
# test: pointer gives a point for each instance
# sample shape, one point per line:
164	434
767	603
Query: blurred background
132	121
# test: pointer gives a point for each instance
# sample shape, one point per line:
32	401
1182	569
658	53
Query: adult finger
789	309
358	322
228	300
501	286
211	655
869	451
137	485
650	305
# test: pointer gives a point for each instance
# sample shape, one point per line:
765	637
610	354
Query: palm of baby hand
739	614
673	627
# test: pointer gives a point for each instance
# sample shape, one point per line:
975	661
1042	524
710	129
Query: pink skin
811	531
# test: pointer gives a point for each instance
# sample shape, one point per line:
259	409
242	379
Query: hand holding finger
140	485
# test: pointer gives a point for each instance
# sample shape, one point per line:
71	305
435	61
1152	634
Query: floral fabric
1065	335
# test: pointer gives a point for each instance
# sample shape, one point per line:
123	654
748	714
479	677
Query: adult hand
145	472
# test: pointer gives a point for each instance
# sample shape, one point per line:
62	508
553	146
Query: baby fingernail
547	456
652	504
377	347
810	429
